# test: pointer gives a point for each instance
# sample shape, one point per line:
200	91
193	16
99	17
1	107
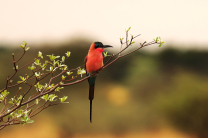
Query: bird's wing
85	61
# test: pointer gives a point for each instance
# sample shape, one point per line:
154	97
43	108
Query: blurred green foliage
140	91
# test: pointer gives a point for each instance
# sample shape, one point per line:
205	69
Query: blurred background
153	93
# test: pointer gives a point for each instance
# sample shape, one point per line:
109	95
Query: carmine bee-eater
93	62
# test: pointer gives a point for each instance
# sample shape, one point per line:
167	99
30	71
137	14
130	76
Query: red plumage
93	62
94	59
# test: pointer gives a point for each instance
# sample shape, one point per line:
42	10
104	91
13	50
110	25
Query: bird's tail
91	97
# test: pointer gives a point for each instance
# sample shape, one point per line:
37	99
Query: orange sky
39	21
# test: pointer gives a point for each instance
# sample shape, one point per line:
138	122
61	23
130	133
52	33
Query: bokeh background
153	93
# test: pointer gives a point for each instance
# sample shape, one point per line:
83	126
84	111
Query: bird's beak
106	46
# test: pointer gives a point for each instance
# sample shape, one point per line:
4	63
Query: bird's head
98	46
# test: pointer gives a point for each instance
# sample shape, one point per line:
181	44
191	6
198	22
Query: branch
17	113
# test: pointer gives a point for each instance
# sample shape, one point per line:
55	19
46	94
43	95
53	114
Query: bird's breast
94	62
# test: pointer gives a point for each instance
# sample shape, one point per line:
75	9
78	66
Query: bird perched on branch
93	62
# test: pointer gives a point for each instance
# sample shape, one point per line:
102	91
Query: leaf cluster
20	110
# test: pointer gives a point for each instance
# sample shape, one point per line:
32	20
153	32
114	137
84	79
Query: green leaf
69	73
22	46
51	68
36	101
22	123
52	57
81	71
20	111
27	48
32	67
27	111
55	62
30	121
57	56
23	79
44	66
106	54
10	102
63	99
26	119
25	43
63	58
11	114
38	87
65	67
15	115
16	67
37	75
37	62
128	29
68	53
19	81
20	97
59	88
52	97
1	98
49	87
157	39
63	77
5	93
162	44
132	42
40	54
45	97
18	100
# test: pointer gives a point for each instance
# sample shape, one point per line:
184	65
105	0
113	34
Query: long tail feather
90	111
91	97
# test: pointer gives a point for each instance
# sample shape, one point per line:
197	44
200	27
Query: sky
178	22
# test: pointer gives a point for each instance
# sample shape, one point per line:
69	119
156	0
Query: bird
93	62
